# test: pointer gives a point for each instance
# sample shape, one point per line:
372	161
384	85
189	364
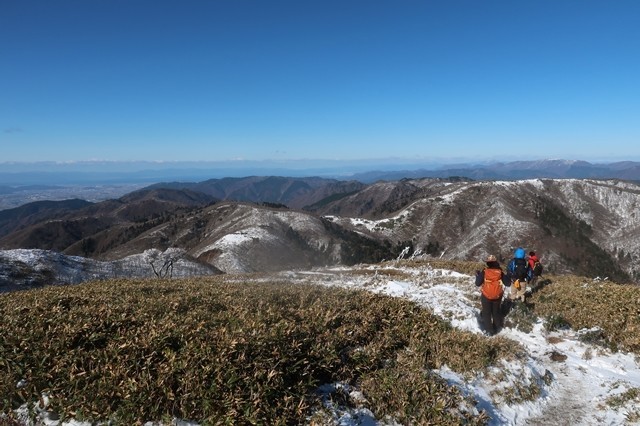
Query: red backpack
492	286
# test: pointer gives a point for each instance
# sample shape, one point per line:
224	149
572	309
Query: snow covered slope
28	268
576	225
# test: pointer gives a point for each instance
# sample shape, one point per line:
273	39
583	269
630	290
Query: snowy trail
566	406
584	378
577	379
564	401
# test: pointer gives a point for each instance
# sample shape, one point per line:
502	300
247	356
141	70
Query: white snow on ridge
448	197
229	246
380	225
236	239
31	255
56	268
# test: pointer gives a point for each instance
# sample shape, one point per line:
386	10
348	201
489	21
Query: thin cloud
12	130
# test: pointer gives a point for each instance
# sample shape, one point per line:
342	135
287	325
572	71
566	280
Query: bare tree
162	262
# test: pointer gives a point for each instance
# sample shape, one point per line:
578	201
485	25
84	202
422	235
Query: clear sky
319	79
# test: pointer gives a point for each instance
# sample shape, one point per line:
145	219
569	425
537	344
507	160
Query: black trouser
491	314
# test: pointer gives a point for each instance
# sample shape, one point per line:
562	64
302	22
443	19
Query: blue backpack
519	269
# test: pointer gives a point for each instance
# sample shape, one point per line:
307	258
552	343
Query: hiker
519	274
491	280
536	268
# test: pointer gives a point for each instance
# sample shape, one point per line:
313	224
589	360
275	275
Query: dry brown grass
583	303
229	352
244	349
382	272
461	266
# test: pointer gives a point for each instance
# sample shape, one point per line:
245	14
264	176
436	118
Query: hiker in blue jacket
519	273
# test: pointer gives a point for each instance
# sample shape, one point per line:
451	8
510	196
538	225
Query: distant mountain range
553	169
584	226
103	172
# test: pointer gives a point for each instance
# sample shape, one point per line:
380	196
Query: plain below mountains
587	227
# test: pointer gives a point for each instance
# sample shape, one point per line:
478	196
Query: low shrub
520	316
556	322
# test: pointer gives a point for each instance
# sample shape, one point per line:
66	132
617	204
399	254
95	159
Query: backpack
537	268
518	269
492	286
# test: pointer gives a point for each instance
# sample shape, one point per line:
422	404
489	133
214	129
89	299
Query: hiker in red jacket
536	268
491	281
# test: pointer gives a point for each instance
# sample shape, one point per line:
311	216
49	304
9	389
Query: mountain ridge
578	226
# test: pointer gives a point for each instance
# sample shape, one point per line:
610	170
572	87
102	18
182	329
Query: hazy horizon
120	172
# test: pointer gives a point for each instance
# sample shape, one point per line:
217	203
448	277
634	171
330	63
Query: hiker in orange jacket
492	281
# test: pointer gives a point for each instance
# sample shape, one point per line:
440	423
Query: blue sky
222	80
